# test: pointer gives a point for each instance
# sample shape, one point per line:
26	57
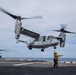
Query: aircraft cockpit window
44	38
49	37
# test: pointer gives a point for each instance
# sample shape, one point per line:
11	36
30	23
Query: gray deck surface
36	68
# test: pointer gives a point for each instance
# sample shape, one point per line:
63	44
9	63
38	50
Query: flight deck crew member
56	56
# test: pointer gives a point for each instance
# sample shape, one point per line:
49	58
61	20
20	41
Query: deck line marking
22	64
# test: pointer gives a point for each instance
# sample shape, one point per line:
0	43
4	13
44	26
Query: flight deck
22	67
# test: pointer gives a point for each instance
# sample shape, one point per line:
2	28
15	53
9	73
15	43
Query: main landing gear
42	50
0	56
30	47
54	47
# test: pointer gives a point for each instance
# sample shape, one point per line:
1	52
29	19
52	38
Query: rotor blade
2	50
35	17
64	31
63	26
69	32
57	30
13	16
6	50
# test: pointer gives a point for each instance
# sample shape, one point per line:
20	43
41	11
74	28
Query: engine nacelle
62	40
18	29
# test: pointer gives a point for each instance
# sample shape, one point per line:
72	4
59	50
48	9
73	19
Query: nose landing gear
42	50
54	47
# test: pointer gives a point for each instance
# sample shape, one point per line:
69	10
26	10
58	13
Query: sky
54	13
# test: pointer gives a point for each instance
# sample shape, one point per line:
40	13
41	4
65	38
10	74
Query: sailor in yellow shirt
56	56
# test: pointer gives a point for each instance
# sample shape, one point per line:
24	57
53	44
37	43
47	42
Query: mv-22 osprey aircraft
39	41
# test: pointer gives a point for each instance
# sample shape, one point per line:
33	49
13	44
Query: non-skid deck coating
36	68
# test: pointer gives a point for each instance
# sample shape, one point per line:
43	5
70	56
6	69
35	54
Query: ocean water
43	59
51	59
68	59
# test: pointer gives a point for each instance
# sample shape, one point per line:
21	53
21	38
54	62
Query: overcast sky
54	13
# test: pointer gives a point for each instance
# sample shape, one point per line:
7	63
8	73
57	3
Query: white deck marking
22	64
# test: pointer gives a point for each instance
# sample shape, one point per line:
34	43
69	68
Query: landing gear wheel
0	56
54	47
30	47
42	50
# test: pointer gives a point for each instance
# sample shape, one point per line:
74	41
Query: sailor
56	56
